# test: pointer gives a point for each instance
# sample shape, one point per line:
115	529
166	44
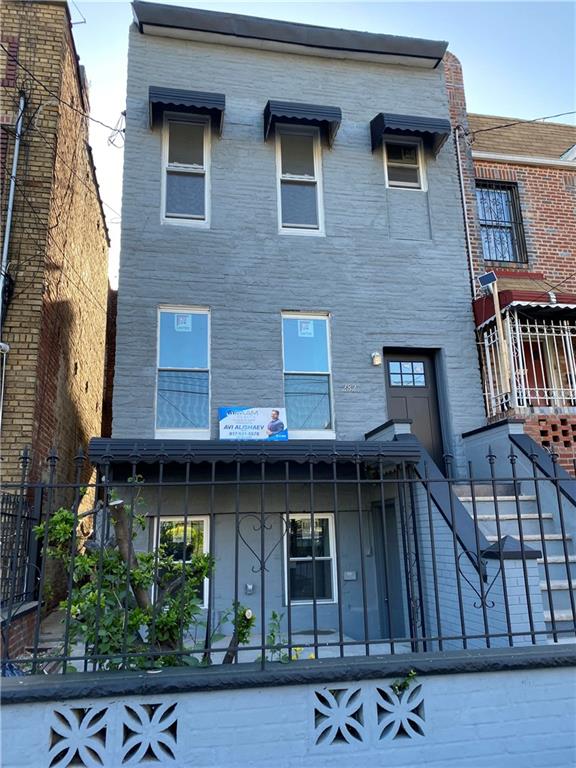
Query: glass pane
299	204
186	144
301	537
398	174
394	367
302	583
497	244
183	340
419	380
494	205
185	194
402	153
306	344
307	401
406	367
418	367
395	380
407	380
297	154
182	541
182	401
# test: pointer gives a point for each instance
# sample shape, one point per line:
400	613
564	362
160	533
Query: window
183	391
184	539
310	578
307	375
299	185
500	221
403	163
406	373
185	186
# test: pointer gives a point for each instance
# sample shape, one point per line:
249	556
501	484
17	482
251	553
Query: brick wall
19	633
56	322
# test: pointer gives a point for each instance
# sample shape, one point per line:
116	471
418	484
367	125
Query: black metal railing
500	219
189	561
17	550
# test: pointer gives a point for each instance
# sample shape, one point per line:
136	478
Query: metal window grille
500	219
542	355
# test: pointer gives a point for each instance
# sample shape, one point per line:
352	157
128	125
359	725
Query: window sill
196	223
182	434
311	434
301	232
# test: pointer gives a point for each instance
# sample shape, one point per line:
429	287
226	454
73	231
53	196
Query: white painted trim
183	434
331	540
205	543
301	50
312	434
524	160
423	186
279	130
184	221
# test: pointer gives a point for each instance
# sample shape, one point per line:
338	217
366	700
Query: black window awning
432	130
328	119
189	102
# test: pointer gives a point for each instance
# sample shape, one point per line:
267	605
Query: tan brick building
57	283
520	183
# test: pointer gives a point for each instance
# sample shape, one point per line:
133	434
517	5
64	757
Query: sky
518	58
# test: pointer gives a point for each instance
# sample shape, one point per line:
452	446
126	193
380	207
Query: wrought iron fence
262	559
17	549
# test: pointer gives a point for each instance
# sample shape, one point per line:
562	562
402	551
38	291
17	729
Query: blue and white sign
237	423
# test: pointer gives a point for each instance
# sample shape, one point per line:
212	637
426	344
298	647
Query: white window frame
182	219
205	519
422	185
311	434
283	129
183	434
287	559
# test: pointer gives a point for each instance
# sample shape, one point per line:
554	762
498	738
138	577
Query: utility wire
518	122
55	95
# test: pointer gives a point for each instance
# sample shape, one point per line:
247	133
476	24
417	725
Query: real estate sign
245	423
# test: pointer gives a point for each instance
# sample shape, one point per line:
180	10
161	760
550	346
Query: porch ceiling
115	450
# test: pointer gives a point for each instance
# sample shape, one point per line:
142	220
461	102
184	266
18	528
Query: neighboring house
521	185
54	263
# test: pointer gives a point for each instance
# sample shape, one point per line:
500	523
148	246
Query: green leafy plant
399	686
276	641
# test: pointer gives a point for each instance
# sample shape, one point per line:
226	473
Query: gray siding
392	269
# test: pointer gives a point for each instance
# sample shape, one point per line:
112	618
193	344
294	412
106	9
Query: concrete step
558	596
507	505
509	525
565	625
554	542
557	567
462	489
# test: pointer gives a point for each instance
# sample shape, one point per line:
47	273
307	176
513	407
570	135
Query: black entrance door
411	394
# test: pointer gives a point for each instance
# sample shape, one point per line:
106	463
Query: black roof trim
432	130
328	119
120	450
191	102
291	33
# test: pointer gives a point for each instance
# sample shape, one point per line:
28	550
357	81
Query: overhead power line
53	94
519	122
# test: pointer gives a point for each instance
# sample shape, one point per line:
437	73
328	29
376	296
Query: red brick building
520	189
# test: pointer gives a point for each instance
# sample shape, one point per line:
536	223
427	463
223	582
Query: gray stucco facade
391	269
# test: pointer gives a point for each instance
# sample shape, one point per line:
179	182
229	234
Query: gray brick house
293	241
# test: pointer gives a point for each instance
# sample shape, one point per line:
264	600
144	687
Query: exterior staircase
540	531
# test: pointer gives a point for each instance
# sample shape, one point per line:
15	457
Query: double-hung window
307	375
183	385
186	171
500	221
311	559
184	539
299	180
404	164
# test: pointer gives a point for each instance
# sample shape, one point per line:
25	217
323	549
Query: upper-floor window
500	221
403	162
307	375
186	171
299	180
183	386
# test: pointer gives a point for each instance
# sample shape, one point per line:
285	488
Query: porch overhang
537	303
151	451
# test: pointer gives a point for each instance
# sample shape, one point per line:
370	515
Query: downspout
9	210
457	132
